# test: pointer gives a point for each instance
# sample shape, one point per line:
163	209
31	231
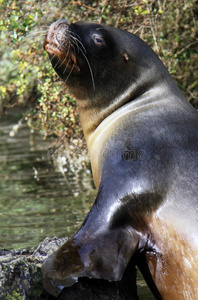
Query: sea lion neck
94	118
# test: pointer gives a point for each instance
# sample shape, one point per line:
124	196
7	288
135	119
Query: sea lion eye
98	40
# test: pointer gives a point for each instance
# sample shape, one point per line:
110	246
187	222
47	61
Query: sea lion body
142	137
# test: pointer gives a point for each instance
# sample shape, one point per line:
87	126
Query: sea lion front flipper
101	248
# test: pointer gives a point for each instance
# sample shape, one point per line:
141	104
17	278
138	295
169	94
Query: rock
21	278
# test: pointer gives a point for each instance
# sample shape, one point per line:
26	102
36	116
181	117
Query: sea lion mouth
60	45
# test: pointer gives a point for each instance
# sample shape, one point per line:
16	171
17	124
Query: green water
35	200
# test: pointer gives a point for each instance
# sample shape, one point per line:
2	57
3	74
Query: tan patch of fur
174	267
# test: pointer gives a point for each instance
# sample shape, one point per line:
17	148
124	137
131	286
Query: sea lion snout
60	48
54	31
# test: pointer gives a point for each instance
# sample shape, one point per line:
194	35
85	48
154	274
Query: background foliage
27	79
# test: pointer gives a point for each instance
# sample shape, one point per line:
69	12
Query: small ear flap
126	57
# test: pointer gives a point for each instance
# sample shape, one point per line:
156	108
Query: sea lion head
103	67
88	56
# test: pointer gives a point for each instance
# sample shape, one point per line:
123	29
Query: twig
80	4
188	46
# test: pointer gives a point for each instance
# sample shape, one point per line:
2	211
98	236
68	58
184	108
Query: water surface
35	200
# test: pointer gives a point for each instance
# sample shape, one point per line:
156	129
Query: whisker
52	57
69	73
57	64
65	58
76	37
78	41
63	61
75	34
37	32
42	31
91	72
83	51
65	69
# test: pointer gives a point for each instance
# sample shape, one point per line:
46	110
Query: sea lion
142	137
